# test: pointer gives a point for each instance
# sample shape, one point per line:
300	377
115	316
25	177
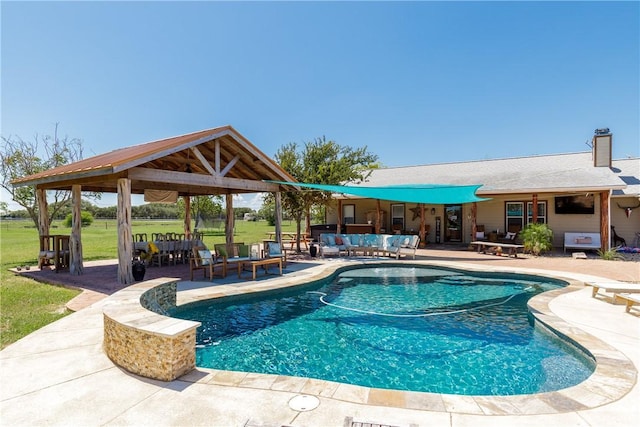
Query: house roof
628	170
551	173
212	161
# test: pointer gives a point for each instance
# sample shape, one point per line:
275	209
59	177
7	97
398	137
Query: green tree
268	210
320	162
86	219
202	207
20	158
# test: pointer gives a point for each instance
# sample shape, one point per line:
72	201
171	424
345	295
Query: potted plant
537	238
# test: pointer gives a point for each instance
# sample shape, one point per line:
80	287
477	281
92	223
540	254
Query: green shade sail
412	193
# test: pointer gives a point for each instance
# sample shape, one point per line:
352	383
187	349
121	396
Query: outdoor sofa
382	244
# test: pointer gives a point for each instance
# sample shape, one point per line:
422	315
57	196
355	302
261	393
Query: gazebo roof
212	161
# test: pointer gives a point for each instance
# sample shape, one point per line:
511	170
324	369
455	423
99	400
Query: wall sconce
433	211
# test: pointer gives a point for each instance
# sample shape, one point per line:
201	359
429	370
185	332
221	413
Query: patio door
453	227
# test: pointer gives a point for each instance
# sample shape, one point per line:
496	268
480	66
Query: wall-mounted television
583	204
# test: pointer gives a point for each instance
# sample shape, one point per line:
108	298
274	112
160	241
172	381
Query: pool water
395	327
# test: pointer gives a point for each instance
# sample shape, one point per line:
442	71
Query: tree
19	158
4	208
320	162
202	207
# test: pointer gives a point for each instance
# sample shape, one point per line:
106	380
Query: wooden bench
613	287
484	246
265	262
629	299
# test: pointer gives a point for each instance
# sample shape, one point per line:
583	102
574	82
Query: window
348	214
542	212
515	220
397	217
515	216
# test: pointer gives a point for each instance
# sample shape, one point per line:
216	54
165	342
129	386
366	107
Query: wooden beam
187	217
76	267
169	151
228	228
534	208
203	160
474	220
423	231
217	156
43	211
230	165
339	221
278	209
378	216
125	238
605	241
270	163
215	182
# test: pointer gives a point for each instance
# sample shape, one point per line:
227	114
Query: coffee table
365	250
254	263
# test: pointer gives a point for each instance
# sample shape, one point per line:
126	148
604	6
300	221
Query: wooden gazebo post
187	217
378	216
534	208
125	238
228	228
76	267
43	212
278	209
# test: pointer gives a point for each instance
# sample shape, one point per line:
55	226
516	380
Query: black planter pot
313	250
138	269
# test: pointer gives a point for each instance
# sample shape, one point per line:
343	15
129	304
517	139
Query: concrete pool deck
59	375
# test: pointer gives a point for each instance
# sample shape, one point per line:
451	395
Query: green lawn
26	305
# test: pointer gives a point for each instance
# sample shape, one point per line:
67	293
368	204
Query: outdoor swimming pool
397	327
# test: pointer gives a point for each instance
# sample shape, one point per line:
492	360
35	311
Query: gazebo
218	161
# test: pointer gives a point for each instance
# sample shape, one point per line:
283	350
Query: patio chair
203	259
274	250
163	251
47	251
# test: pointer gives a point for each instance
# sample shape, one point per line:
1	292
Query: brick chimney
602	141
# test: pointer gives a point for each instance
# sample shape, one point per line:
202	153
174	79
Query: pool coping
615	374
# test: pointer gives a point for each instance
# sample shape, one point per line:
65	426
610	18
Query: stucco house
574	192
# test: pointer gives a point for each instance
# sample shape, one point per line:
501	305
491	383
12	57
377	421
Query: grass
26	305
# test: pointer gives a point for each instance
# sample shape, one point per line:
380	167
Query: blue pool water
395	327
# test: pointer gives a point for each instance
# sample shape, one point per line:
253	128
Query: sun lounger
629	300
616	287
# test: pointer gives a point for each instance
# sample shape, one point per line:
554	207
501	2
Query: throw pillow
339	240
243	251
222	251
510	236
331	240
479	234
405	242
205	256
274	249
346	241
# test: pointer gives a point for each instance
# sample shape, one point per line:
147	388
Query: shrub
610	254
537	238
86	219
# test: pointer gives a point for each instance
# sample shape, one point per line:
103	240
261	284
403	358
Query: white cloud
252	200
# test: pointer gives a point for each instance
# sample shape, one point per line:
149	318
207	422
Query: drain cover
304	402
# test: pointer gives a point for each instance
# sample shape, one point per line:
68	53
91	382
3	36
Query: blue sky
416	82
